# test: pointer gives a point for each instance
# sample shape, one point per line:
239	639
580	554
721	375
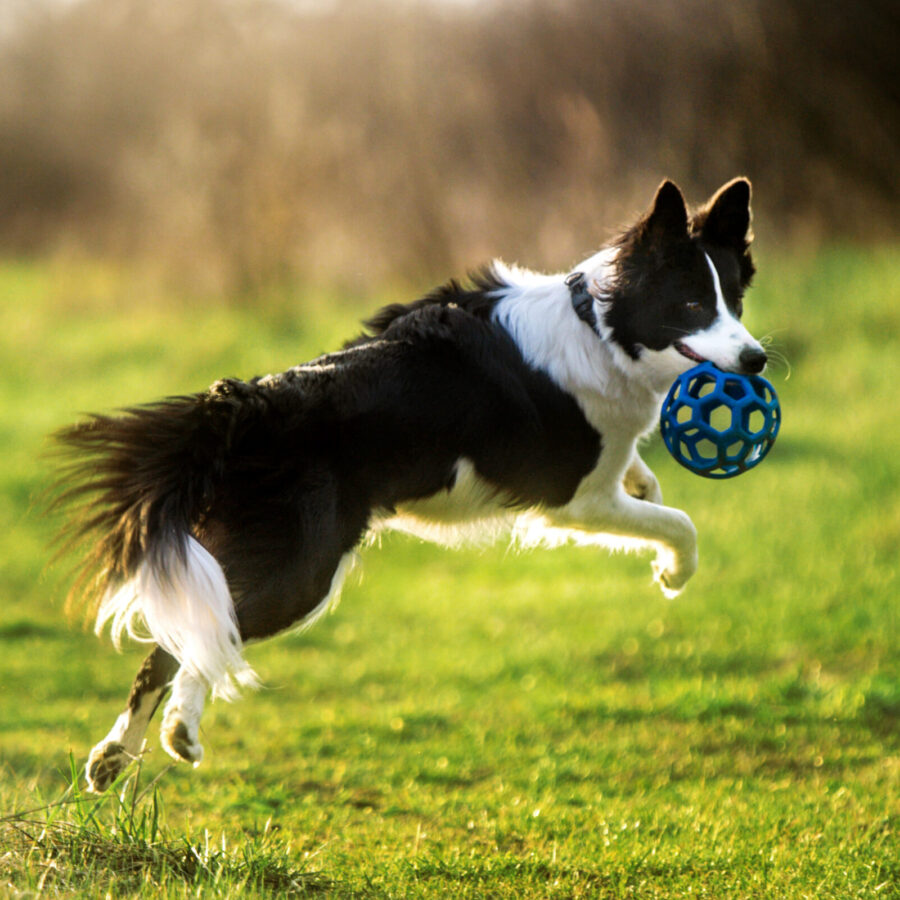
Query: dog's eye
693	305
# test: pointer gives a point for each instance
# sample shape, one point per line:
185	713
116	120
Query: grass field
487	724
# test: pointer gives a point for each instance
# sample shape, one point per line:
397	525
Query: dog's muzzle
751	360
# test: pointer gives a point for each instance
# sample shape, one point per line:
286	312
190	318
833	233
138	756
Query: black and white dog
512	404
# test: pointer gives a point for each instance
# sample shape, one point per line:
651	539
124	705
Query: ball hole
701	386
683	415
706	449
720	418
756	421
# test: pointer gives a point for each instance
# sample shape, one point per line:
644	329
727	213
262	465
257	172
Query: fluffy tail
141	482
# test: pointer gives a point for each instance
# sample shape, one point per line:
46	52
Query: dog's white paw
642	484
105	763
669	584
671	574
180	741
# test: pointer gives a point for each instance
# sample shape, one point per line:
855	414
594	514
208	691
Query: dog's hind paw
179	743
106	762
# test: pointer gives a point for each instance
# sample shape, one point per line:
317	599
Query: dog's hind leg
123	743
181	718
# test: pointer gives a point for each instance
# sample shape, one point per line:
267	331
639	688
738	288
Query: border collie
511	404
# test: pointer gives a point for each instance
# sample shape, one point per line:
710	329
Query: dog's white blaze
724	319
183	605
724	340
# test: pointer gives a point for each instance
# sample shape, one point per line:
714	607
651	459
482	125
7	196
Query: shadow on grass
22	629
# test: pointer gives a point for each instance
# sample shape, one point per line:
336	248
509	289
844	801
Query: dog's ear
725	219
665	225
669	214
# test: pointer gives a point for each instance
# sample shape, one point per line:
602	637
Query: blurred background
237	144
197	188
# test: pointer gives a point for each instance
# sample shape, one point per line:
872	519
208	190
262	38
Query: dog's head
675	297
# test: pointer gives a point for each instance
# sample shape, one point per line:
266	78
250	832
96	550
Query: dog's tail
140	482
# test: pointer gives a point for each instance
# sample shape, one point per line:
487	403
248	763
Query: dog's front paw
669	582
105	763
672	573
642	484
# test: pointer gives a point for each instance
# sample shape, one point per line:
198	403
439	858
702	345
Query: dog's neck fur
537	312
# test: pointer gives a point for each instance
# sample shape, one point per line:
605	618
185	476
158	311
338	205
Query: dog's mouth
686	351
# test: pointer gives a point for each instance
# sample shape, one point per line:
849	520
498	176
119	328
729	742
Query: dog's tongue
684	350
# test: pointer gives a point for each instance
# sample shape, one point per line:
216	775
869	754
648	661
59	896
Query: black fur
478	299
279	477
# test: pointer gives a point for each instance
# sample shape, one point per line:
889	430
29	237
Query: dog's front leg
670	531
640	482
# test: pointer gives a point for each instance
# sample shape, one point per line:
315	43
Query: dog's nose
753	359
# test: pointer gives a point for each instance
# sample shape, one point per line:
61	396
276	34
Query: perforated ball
719	424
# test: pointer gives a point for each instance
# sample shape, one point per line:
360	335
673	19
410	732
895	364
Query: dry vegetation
241	141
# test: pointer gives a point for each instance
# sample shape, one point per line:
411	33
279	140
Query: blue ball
719	424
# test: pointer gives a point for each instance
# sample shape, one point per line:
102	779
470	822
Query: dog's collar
582	300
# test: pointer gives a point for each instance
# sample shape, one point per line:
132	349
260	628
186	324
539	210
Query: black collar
582	300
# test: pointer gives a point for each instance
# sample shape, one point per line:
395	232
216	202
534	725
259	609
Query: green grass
483	723
80	839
